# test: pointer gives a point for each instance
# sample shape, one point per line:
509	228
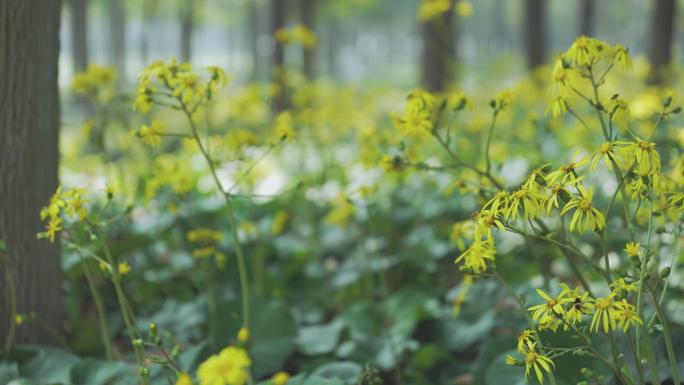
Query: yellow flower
557	107
584	51
151	135
622	58
229	367
19	319
280	378
552	306
124	268
538	361
618	109
464	8
503	99
606	151
53	226
526	340
586	217
416	123
567	172
626	315
632	249
528	200
243	335
184	379
620	286
432	8
476	256
510	360
556	191
279	221
644	155
605	312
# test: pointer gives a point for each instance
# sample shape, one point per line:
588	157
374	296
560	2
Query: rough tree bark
307	9
79	34
586	17
662	32
29	133
535	33
278	10
117	31
439	52
187	19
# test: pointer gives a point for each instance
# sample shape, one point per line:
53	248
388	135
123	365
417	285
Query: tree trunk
439	52
662	32
586	16
278	9
535	33
187	16
117	31
333	32
307	9
29	137
79	34
253	33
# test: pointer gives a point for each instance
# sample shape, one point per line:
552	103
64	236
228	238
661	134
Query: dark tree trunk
253	33
307	8
79	34
278	10
333	45
586	17
187	16
535	33
439	52
662	32
29	133
117	31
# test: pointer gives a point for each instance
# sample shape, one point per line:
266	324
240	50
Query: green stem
101	315
489	141
668	340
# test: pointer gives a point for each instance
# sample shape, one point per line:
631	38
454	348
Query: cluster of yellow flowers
430	9
70	203
298	34
177	84
96	82
206	241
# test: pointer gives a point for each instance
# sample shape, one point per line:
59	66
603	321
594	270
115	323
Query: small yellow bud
243	335
280	378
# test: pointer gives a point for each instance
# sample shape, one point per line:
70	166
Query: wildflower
499	202
644	155
476	256
503	99
53	226
584	51
460	298
124	268
605	313
460	232
621	58
459	101
581	305
19	319
143	97
243	335
557	107
557	191
567	172
464	8
284	128
188	87
606	151
620	286
551	307
549	322
536	360
618	109
420	100
526	339
280	378
183	379
510	360
484	221
528	200
279	222
416	122
586	216
151	135
627	315
229	367
218	79
430	9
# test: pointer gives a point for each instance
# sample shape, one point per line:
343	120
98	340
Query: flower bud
137	343
667	101
677	110
492	103
586	372
144	371
665	272
243	335
153	330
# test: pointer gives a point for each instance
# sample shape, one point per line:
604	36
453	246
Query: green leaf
97	372
346	371
274	335
8	371
319	339
48	365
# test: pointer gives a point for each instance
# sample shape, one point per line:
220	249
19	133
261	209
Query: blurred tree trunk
253	33
278	10
334	36
29	136
662	32
307	9
586	17
79	34
117	31
187	14
439	51
535	33
148	7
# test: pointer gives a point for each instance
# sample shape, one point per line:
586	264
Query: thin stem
668	340
489	141
101	315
